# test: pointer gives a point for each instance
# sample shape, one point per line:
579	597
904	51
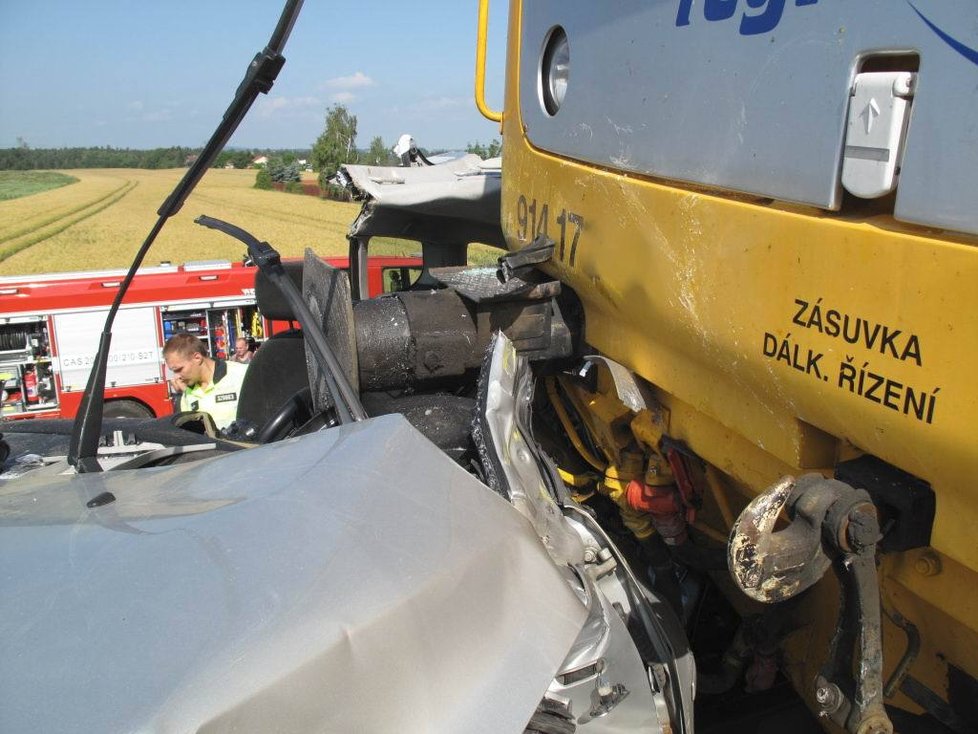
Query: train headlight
554	70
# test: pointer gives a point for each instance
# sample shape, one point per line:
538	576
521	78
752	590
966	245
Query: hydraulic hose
568	425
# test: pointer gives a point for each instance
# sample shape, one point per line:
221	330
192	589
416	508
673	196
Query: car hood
351	580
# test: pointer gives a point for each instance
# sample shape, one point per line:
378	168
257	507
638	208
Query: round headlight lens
554	70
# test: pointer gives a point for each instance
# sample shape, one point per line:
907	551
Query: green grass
15	184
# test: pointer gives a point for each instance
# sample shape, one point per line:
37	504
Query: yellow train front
766	211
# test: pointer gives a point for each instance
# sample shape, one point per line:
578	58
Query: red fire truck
50	327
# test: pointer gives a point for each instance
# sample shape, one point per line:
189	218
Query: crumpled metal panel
482	285
350	580
465	178
505	396
453	202
630	702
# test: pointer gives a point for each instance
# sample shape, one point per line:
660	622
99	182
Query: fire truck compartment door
134	358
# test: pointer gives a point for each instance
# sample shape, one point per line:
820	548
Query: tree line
25	158
334	147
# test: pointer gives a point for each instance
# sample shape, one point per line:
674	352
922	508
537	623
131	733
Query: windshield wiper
261	73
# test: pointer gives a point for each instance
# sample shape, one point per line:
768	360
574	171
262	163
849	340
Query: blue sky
140	74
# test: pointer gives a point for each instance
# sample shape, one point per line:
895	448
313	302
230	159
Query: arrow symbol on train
870	112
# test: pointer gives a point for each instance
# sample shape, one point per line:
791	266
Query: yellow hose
569	427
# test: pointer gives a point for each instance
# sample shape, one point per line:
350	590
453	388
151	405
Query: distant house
261	160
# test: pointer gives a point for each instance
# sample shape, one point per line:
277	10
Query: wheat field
101	221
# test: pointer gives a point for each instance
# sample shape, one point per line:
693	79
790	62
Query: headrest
270	300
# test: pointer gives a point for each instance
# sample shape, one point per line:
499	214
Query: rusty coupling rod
830	524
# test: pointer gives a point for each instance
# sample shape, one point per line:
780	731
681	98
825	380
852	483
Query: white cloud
357	80
446	103
162	112
164	115
285	105
434	104
343	97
